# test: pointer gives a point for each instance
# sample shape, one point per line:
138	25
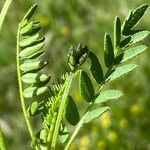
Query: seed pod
28	40
34	91
34	78
30	52
33	66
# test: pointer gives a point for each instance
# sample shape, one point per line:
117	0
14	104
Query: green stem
21	89
51	129
2	144
4	12
61	110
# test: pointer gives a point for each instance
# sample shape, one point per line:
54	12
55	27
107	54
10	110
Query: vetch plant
57	106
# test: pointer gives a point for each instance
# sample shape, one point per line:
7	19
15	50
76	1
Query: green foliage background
68	22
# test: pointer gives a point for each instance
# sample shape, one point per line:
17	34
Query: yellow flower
105	120
136	109
101	145
43	20
112	136
123	122
65	30
84	141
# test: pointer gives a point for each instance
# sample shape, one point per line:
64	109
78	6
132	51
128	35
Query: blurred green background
127	125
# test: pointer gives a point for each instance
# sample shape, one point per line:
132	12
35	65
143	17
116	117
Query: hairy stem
4	12
21	89
2	144
61	110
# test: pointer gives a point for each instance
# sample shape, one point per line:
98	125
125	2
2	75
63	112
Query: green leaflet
28	40
108	51
86	87
63	133
107	95
31	12
44	135
137	37
34	78
34	109
96	68
34	91
133	19
32	51
117	32
119	71
33	66
93	114
129	53
30	28
72	114
26	28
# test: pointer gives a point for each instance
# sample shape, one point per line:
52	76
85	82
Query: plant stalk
61	110
4	12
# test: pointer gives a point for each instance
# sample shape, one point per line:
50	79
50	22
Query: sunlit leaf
107	95
129	53
119	71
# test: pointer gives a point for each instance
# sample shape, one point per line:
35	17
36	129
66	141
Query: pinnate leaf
96	68
119	71
86	87
129	53
93	114
72	114
105	96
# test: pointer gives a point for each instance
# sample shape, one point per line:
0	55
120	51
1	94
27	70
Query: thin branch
4	12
